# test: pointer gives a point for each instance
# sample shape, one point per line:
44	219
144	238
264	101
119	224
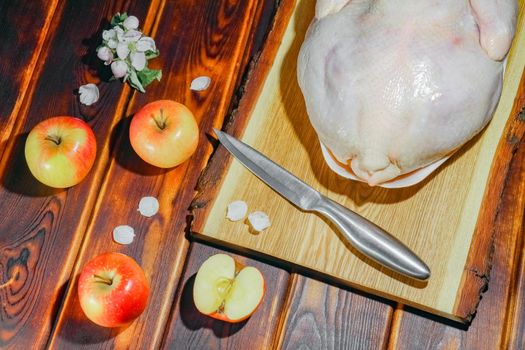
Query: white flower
122	51
105	54
146	43
131	22
127	50
88	94
131	35
112	43
138	60
119	69
120	33
109	34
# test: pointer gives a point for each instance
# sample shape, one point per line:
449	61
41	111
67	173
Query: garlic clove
200	83
236	210
148	206
89	94
123	234
259	221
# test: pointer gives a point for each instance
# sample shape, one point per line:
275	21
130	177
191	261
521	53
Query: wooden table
47	51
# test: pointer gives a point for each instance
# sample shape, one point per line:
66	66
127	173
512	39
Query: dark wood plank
515	331
189	329
24	26
416	330
321	316
203	38
516	324
41	229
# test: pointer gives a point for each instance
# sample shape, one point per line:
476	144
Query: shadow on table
90	59
194	320
76	328
124	154
17	177
438	319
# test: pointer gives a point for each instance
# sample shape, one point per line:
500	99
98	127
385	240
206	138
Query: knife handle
373	241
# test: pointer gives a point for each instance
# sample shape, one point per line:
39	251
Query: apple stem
55	139
221	308
161	122
107	281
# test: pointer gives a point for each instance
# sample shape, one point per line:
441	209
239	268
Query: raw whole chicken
393	88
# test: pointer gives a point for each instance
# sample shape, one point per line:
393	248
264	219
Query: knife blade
364	235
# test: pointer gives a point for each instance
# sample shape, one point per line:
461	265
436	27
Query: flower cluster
128	50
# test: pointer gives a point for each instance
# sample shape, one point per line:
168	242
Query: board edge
476	273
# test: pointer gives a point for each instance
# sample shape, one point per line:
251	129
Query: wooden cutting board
447	219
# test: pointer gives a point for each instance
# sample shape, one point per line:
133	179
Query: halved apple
226	290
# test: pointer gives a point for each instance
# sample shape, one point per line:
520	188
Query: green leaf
118	18
134	81
159	75
152	54
146	76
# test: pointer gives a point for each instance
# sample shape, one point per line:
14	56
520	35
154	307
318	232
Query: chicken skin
393	88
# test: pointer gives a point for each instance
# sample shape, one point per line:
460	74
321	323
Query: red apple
226	290
60	151
113	290
164	133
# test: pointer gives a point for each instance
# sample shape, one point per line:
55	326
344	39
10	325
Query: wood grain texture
441	211
189	329
160	247
42	228
515	322
498	319
24	28
321	316
515	330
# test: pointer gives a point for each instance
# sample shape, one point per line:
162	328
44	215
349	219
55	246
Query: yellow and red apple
226	290
113	290
164	133
60	151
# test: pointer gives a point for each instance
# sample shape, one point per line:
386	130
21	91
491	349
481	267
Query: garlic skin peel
148	206
200	83
237	210
123	234
89	94
259	221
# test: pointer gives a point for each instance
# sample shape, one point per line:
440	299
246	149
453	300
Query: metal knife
364	235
